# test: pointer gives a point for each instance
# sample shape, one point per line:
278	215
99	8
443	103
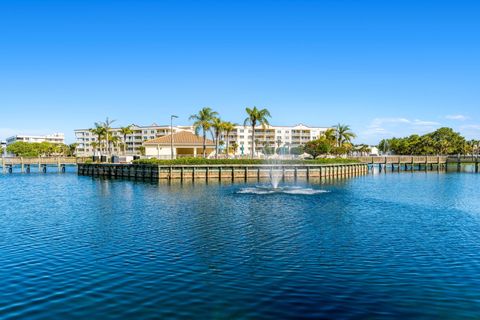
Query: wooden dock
222	172
419	162
26	164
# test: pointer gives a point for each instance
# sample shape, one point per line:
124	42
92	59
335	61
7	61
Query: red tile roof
182	138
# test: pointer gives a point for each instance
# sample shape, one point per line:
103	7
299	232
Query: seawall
220	172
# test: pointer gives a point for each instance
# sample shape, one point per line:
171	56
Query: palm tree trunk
228	145
253	140
216	146
204	144
107	145
125	145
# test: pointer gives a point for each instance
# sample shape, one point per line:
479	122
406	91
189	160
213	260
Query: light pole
171	134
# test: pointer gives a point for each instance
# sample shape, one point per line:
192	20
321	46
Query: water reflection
369	247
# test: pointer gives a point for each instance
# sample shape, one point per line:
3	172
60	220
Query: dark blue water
397	245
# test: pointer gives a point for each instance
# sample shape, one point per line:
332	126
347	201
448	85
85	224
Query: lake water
403	245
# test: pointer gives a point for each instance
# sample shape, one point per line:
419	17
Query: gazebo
185	144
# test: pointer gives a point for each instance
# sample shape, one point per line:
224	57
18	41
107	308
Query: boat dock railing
8	163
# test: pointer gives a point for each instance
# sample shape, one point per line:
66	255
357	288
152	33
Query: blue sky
387	68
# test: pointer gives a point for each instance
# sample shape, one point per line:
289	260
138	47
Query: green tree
363	149
99	132
256	117
443	141
203	122
125	131
228	127
72	148
217	127
107	126
318	147
343	134
234	146
23	149
298	150
114	141
37	149
384	146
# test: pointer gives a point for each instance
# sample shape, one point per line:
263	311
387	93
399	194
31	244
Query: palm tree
343	134
363	149
115	140
107	125
227	128
217	129
256	117
330	135
72	148
203	121
125	131
99	132
234	147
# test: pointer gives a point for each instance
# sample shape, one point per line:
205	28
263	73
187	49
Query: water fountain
276	176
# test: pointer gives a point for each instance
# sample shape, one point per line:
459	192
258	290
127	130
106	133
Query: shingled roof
182	138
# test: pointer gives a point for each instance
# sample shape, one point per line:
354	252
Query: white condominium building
52	138
88	145
273	136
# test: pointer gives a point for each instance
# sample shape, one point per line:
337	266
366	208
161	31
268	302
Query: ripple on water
373	247
260	190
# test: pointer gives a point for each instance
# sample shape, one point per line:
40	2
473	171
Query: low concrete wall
220	172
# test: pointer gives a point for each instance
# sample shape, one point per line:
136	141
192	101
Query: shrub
202	161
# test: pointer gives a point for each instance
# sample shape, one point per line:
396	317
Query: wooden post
219	173
308	173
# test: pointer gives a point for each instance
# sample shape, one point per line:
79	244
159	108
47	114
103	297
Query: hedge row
202	161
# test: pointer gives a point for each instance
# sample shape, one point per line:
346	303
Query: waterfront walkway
26	164
419	162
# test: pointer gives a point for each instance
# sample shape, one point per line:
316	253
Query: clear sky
384	67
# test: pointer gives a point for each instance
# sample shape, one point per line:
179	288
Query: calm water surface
382	246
